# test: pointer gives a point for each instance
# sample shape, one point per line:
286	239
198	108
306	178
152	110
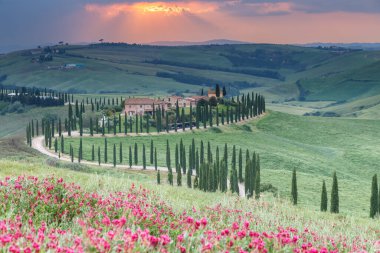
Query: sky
28	23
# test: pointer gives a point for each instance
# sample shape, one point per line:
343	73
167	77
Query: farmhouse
212	93
140	106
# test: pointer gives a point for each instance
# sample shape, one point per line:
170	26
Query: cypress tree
103	126
179	178
168	161
91	128
202	160
105	151
114	124
55	145
151	152
99	158
184	160
334	208
93	153
183	119
62	145
130	157
324	197
121	153
136	156
37	129
240	166
137	124
191	118
80	153
119	123
233	158
294	187
155	158
235	182
176	159
189	172
125	123
80	125
158	177
144	157
114	155
374	208
147	123
257	179
59	127
72	153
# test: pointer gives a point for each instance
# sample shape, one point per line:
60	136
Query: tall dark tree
179	178
144	157
324	197
114	155
93	153
121	153
99	158
136	155
294	187
105	150
334	208
91	128
158	177
80	153
155	158
224	91
62	144
257	178
55	145
374	208
130	160
119	123
217	90
151	152
240	166
114	124
189	172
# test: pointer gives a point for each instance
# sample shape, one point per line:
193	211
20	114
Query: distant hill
188	43
281	72
362	46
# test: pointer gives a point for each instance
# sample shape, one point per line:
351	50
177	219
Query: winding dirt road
38	143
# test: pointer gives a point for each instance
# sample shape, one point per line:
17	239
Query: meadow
174	218
347	146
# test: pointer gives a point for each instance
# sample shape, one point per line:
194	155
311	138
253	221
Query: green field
315	146
280	72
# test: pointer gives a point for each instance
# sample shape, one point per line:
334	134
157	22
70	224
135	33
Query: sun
161	8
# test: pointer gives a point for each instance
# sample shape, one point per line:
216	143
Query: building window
140	106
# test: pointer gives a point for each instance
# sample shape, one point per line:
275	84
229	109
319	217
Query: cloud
277	21
165	8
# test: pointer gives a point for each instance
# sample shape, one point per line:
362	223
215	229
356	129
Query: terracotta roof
142	101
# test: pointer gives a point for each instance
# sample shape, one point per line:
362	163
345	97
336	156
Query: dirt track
39	145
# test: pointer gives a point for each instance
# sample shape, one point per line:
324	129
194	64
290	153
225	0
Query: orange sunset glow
258	21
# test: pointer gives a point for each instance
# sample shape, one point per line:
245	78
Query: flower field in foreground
39	215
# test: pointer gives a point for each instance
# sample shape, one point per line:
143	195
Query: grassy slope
269	212
324	75
314	146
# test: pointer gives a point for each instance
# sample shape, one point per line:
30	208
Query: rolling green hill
281	72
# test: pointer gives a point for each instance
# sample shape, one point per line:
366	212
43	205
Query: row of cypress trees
34	96
334	201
